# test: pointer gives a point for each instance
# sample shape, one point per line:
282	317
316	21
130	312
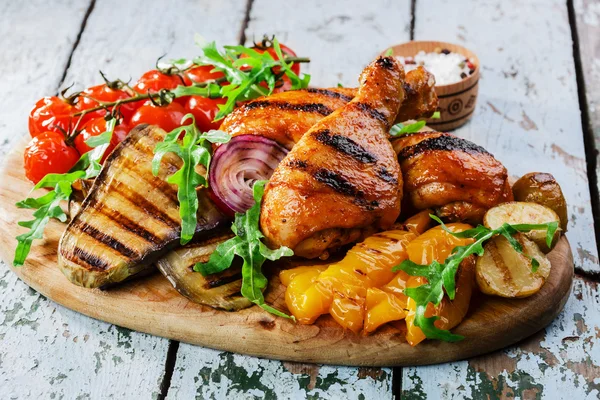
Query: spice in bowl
447	67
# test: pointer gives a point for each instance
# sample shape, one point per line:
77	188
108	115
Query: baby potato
518	212
542	188
502	271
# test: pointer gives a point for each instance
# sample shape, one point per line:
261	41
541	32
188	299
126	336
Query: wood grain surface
523	47
151	305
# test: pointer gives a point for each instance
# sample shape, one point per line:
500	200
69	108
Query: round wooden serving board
151	305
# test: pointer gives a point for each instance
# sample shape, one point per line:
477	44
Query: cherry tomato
50	114
166	117
97	127
286	51
104	94
153	81
201	73
204	111
48	153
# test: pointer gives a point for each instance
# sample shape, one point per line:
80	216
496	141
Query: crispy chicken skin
285	117
457	178
341	181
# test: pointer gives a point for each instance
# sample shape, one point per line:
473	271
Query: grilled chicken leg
457	178
342	180
285	117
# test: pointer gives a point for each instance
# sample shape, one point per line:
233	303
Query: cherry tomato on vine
51	114
201	73
204	111
95	127
286	51
48	153
103	93
166	117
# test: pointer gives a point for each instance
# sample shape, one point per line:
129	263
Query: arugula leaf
401	129
247	244
442	277
244	84
389	52
194	149
48	205
436	115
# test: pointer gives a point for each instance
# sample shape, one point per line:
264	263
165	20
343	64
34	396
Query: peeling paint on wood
221	375
563	358
587	14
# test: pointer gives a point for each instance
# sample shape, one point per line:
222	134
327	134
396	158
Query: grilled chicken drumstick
342	180
285	117
457	178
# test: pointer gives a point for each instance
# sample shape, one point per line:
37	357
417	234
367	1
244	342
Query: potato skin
542	188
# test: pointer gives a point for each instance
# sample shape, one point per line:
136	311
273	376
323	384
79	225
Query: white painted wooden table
538	110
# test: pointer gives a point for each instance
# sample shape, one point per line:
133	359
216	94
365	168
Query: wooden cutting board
151	305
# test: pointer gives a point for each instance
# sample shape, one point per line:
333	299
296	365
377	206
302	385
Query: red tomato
201	73
204	111
48	153
97	127
286	51
104	94
50	114
166	117
154	81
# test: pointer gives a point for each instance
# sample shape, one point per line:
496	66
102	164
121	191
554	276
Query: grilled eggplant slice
130	217
219	290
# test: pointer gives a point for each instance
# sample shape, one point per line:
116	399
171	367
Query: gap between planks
591	153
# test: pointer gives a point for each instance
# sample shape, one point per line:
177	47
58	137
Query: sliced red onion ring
235	167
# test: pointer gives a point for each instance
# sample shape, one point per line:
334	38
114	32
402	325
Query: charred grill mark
147	206
294	163
317	108
373	112
93	261
345	145
329	93
126	223
220	280
105	239
385	175
442	143
385	62
336	182
156	182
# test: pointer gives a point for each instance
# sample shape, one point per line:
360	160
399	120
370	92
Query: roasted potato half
542	188
518	212
502	271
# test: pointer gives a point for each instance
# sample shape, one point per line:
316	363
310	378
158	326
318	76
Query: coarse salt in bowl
456	71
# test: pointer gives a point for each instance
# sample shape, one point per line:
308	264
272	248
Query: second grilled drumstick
285	117
342	180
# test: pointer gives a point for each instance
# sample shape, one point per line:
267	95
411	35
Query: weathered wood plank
128	49
340	42
560	361
47	351
340	38
527	115
587	14
231	376
528	109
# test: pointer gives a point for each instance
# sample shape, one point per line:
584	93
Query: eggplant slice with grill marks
219	290
130	217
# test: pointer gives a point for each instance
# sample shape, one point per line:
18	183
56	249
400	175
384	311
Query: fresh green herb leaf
194	149
389	52
244	84
436	115
442	277
401	129
48	205
247	244
340	85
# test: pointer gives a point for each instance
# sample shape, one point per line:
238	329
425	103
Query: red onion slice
237	165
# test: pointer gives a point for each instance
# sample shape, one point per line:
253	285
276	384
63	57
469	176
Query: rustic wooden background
539	109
